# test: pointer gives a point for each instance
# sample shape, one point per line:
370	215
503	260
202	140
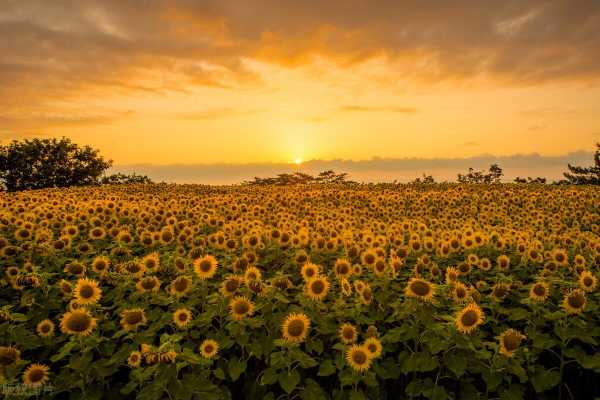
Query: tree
583	175
494	175
46	163
530	180
301	178
426	180
119	179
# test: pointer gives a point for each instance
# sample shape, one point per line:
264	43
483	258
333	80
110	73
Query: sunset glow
152	83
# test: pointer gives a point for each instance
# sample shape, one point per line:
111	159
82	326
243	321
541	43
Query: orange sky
272	81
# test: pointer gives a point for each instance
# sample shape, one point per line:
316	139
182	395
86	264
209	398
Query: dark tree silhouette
119	179
585	175
46	163
300	178
494	175
426	180
530	180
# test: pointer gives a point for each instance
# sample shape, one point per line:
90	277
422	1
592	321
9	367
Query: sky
218	91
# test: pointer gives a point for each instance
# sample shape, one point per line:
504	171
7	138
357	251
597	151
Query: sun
298	161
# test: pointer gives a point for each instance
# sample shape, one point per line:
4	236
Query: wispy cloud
217	113
390	109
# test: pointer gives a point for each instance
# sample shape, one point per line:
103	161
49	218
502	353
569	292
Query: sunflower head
205	267
575	302
131	319
87	291
295	327
9	355
309	271
469	318
419	289
36	375
209	348
78	322
182	317
510	340
539	291
45	328
317	288
240	307
358	357
588	281
180	286
348	333
135	359
373	347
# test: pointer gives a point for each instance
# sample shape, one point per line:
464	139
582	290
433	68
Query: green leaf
236	368
219	373
544	380
269	376
456	363
312	391
303	359
357	395
513	392
326	368
64	351
288	381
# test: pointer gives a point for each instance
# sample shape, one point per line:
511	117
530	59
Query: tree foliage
301	178
494	175
529	180
45	163
425	180
119	179
585	175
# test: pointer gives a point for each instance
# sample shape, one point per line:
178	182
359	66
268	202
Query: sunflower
135	359
75	268
500	291
510	340
380	267
36	375
366	296
78	322
151	262
317	288
348	333
230	285
182	317
167	357
205	267
100	265
485	264
9	356
252	274
309	271
575	302
373	347
131	319
451	275
371	332
180	286
419	289
503	262
469	318
148	284
295	327
368	257
460	293
358	358
87	291
560	257
587	281
539	291
240	307
342	268
45	328
346	287
209	348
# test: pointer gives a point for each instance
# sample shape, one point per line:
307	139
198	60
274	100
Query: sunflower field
313	292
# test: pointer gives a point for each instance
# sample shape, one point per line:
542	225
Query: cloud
52	119
471	144
217	113
373	170
65	48
391	109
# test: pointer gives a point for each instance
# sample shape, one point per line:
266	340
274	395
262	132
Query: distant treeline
48	163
